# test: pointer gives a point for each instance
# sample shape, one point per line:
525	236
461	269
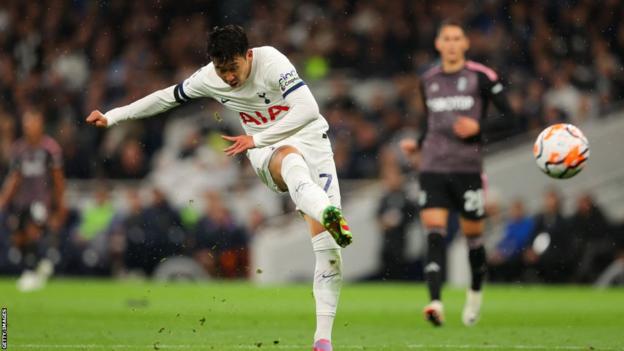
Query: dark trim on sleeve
176	94
182	93
293	88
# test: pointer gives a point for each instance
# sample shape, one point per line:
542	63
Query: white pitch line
282	346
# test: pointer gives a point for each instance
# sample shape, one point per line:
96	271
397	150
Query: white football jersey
260	101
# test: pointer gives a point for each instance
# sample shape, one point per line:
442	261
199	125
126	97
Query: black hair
451	22
227	42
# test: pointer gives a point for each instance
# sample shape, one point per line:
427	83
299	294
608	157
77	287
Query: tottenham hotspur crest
263	96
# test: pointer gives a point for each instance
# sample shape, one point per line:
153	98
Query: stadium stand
361	59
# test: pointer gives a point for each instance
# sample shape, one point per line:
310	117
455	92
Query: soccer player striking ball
285	141
456	94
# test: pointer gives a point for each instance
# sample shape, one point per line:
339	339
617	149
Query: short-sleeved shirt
34	163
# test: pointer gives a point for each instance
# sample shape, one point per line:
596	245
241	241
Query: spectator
130	162
395	212
596	242
220	243
92	239
505	262
163	232
550	255
563	96
130	253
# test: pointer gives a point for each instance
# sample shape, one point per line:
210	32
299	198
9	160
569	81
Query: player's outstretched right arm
154	103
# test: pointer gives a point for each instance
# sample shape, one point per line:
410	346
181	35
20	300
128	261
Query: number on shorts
474	201
329	180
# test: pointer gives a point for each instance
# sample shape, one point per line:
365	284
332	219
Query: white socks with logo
327	282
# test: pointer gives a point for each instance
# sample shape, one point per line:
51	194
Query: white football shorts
317	152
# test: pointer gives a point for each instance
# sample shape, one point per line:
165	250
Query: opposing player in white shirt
286	142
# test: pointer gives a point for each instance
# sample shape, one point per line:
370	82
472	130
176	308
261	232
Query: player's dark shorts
462	192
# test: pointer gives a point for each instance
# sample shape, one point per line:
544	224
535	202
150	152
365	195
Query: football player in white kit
286	142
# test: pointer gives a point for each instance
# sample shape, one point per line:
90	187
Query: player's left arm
9	188
12	180
493	90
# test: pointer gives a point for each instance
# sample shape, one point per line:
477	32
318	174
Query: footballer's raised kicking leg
473	230
329	232
291	172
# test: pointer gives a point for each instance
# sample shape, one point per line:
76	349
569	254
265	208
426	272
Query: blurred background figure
129	254
596	246
395	212
166	235
220	243
505	262
92	239
550	255
32	198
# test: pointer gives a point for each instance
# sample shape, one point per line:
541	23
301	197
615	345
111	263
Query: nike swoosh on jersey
223	101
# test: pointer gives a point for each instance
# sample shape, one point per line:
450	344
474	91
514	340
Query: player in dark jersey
456	95
32	195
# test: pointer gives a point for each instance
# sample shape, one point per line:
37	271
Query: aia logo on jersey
260	118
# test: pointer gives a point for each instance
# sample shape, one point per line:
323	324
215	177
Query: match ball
561	151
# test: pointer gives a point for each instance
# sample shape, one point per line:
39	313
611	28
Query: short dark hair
227	42
450	22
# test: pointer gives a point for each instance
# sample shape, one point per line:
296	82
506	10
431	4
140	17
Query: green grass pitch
108	315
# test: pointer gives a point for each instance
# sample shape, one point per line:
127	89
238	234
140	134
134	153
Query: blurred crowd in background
560	60
549	246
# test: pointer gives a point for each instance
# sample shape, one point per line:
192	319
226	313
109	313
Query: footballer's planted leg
290	172
434	313
476	254
327	283
434	220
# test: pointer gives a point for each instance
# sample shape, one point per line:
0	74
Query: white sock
327	283
305	193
